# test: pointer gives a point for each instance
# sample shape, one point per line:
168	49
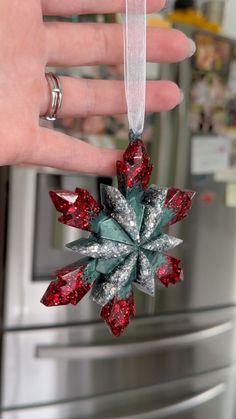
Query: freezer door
210	396
50	365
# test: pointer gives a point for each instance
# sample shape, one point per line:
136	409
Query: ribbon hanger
135	22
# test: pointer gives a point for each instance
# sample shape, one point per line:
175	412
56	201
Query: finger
71	44
84	97
80	7
57	150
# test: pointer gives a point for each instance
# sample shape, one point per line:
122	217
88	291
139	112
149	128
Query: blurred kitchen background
177	359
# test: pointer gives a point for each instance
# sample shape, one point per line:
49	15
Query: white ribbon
135	22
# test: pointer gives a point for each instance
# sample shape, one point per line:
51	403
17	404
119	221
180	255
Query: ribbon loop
135	21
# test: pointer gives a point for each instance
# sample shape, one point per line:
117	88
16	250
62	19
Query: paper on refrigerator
209	154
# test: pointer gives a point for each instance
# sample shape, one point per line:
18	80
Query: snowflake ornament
126	247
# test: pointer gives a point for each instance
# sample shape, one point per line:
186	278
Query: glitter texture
100	249
169	272
119	209
179	202
155	197
69	288
145	276
154	200
162	244
126	246
117	314
106	288
135	167
78	208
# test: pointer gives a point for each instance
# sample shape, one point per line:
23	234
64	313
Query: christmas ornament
127	245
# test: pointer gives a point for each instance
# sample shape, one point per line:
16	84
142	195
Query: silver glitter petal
152	218
162	244
155	196
100	249
121	211
103	292
145	280
154	200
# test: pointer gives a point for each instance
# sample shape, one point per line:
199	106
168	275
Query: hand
28	45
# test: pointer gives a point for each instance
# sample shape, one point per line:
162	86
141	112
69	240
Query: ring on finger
55	96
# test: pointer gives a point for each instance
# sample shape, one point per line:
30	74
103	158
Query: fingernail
181	96
166	5
192	47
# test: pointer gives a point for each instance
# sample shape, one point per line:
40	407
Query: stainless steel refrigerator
177	358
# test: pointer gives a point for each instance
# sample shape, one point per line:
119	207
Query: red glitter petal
69	288
179	202
117	314
78	208
63	199
170	272
135	166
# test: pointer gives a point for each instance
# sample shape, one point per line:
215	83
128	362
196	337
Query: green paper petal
166	217
120	210
109	229
90	273
125	292
134	197
106	266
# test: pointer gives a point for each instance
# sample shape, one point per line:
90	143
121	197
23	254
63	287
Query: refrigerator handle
183	135
104	351
182	406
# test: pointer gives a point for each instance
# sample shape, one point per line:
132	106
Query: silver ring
56	96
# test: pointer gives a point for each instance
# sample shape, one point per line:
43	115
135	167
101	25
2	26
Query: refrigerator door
36	248
209	232
207	252
208	396
59	364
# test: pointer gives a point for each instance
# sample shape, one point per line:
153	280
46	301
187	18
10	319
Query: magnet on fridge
231	195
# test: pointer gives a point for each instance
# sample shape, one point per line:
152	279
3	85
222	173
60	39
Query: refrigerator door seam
182	406
130	349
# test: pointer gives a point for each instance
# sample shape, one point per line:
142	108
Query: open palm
28	44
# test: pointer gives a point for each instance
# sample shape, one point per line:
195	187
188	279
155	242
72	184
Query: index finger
82	7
